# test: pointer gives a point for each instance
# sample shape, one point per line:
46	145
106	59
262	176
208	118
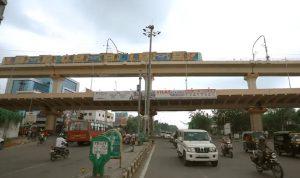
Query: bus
82	131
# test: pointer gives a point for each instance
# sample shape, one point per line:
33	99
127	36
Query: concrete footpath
16	141
131	159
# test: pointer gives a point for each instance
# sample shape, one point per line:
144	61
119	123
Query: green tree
281	119
239	119
158	127
132	125
9	116
6	117
200	120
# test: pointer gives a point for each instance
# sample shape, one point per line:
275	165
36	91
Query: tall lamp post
149	32
139	103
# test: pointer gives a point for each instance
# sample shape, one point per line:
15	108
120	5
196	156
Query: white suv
196	145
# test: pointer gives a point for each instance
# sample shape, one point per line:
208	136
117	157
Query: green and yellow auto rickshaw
287	142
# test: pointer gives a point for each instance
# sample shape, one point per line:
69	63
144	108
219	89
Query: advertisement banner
227	129
156	94
115	96
186	94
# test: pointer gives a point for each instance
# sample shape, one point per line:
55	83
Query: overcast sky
220	30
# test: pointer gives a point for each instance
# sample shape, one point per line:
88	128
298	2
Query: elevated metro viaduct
250	70
170	68
254	101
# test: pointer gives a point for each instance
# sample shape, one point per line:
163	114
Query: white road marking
147	163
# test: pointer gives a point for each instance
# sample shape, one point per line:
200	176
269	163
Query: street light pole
149	32
139	103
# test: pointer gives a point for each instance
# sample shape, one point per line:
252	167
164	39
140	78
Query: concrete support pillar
51	122
146	124
57	84
51	116
151	124
255	118
251	80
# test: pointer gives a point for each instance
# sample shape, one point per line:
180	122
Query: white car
196	145
167	135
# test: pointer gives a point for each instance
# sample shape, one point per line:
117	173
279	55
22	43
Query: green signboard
116	141
100	154
103	148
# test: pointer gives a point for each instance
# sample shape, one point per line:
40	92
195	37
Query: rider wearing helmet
262	148
61	142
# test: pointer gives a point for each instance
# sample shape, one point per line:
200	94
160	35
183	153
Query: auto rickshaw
287	142
250	139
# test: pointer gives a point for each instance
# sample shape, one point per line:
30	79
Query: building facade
120	119
99	116
36	85
41	85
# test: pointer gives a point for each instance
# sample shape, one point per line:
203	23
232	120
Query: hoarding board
156	94
115	96
227	129
186	94
30	117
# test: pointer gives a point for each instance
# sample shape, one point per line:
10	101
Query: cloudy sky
220	30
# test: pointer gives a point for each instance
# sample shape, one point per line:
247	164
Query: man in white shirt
60	142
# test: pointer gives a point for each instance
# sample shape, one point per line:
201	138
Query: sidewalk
112	169
16	141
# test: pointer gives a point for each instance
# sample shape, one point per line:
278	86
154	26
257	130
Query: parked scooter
270	163
226	148
57	152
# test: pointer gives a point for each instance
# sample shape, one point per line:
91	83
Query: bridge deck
173	68
226	99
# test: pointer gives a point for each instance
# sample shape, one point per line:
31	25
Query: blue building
42	85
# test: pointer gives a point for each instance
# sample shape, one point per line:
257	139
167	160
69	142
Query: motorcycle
270	163
56	153
226	149
41	138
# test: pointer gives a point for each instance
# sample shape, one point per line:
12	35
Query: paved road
30	161
165	163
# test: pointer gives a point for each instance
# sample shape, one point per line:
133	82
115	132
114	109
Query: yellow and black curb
137	162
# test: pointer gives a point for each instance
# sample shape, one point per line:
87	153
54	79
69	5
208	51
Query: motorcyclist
262	148
42	136
224	142
60	143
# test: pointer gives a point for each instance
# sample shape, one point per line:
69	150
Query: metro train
103	57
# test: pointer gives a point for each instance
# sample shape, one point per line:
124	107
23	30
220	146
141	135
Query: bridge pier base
256	118
151	125
251	80
51	116
151	122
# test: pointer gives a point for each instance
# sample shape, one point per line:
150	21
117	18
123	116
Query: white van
196	145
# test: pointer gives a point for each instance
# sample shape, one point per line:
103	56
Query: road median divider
130	171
